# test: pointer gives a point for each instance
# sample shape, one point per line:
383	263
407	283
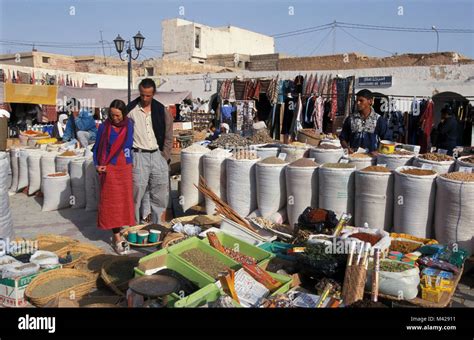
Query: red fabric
122	129
334	100
116	207
426	122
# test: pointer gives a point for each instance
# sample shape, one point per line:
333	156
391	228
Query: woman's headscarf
62	124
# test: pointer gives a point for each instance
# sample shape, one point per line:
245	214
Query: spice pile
304	162
469	159
438	157
205	262
272	160
328	146
68	154
196	148
298	144
375	168
394	266
227	140
460	176
360	155
261	137
218	153
339	165
370	238
402	153
404	247
418	172
57	174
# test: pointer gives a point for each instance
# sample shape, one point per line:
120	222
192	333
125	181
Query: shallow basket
79	290
118	287
47	240
86	250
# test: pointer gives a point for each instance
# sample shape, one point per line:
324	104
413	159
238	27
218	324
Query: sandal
121	247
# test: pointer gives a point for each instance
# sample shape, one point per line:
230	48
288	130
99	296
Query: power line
322	41
301	30
363	42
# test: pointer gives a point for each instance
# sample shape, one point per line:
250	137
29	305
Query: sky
72	27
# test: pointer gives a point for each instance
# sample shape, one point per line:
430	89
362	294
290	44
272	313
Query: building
190	41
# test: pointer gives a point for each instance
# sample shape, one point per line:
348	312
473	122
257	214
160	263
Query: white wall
178	37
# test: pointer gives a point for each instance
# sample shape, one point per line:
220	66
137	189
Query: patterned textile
359	125
333	99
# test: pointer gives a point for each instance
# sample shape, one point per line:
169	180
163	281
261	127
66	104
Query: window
45	60
150	71
197	38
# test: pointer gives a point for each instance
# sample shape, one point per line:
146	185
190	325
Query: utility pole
103	50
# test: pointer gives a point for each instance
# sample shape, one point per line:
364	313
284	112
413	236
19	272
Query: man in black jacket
152	143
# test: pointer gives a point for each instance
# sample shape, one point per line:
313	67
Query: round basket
84	250
125	264
140	227
54	243
45	278
173	238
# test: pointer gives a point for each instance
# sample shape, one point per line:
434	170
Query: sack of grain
266	151
6	222
14	159
271	185
301	187
191	169
23	169
92	185
360	160
215	175
336	187
466	161
78	183
48	165
57	191
241	185
326	153
414	199
62	162
454	214
294	152
34	172
393	161
373	199
440	166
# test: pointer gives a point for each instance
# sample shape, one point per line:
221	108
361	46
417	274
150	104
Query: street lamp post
119	42
437	38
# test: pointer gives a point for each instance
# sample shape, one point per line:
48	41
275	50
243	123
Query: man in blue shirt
81	125
365	128
227	111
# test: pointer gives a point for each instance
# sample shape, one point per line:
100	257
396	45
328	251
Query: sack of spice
319	221
318	263
396	279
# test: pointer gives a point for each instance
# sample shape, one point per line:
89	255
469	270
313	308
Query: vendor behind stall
446	134
60	126
365	128
81	125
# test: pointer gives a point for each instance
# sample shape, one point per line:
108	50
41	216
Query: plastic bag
19	270
316	262
320	221
45	259
188	229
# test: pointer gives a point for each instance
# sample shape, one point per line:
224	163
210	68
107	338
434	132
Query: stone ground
79	224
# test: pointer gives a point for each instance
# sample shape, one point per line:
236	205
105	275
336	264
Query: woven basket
118	287
45	241
100	305
43	278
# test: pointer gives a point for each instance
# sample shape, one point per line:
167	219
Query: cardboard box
12	290
182	126
3	133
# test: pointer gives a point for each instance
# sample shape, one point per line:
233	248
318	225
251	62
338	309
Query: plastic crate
172	262
194	242
279	249
243	247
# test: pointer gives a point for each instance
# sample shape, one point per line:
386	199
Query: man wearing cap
365	128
